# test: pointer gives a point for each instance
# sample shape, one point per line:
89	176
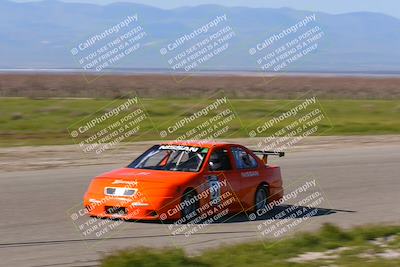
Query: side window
243	159
219	161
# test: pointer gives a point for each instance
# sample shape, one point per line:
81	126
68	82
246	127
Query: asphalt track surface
361	185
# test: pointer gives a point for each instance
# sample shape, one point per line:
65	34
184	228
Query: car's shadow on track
281	212
278	213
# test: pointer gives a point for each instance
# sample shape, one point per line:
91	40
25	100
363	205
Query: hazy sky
390	7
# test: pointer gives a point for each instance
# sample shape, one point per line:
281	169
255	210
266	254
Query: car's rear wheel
261	198
189	204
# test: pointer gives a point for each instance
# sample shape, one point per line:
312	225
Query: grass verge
26	121
330	246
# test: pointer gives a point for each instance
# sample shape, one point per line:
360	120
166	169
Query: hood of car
146	176
144	181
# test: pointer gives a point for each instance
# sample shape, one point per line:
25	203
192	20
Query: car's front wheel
189	204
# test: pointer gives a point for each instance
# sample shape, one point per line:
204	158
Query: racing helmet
215	162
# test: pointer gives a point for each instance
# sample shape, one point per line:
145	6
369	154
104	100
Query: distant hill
41	35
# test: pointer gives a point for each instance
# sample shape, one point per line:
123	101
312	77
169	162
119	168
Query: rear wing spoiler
269	153
265	154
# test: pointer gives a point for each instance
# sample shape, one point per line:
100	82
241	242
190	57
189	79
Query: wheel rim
261	199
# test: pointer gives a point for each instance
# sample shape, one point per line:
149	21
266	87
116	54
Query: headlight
119	191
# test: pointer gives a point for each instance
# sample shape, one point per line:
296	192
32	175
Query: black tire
261	198
189	195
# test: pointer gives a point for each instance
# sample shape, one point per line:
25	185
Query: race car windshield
171	158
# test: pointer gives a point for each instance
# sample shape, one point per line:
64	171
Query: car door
220	169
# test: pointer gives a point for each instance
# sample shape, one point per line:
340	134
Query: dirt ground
112	86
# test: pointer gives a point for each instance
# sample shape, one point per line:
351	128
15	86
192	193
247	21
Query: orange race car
178	179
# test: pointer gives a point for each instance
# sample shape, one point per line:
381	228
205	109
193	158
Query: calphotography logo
101	217
120	121
208	120
278	52
215	202
193	50
303	200
105	49
291	124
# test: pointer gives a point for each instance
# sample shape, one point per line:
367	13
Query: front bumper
125	208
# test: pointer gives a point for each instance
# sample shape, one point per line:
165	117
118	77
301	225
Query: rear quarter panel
271	175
